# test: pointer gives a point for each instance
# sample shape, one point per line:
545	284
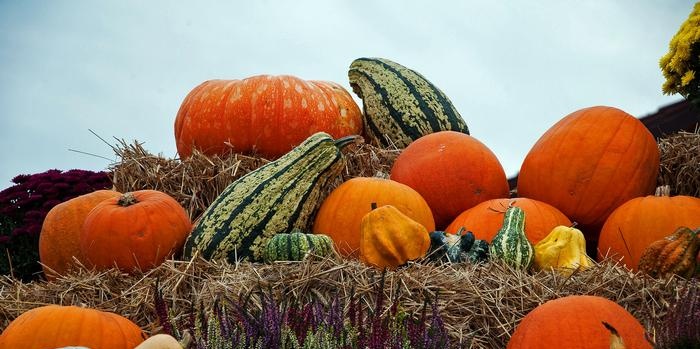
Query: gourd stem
127	199
573	225
342	142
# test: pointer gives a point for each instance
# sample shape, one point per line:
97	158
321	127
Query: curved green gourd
510	243
273	199
400	105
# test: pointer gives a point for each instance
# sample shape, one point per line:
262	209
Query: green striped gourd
296	245
510	243
273	199
400	105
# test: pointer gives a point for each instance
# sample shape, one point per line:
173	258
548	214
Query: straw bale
680	163
480	304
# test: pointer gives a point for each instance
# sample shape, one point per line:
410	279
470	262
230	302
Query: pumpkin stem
373	206
616	341
664	190
127	199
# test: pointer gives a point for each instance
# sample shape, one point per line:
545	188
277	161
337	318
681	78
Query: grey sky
122	68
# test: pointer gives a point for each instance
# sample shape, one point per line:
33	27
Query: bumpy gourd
273	199
459	247
510	243
296	245
389	238
564	250
676	254
400	105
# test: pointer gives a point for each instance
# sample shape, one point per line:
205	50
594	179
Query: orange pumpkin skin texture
341	213
589	163
55	326
453	171
265	114
135	231
486	218
635	225
575	322
59	241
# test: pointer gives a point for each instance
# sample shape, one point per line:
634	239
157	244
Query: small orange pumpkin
59	241
635	225
575	322
341	212
55	326
135	231
486	218
265	114
453	171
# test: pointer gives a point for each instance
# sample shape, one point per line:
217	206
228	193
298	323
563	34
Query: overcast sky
122	68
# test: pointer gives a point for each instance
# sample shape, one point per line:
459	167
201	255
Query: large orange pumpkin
576	322
589	163
635	225
59	241
55	326
486	218
265	114
340	214
453	171
135	231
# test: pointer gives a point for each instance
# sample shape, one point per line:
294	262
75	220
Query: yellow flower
687	77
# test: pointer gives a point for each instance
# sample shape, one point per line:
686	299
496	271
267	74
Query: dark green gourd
400	105
273	199
510	243
297	245
456	248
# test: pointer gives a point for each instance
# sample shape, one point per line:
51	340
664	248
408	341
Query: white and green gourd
510	243
400	105
296	246
273	199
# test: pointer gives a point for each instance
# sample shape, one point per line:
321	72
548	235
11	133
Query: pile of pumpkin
447	197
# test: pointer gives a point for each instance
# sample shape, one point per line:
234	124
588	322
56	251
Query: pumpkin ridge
600	193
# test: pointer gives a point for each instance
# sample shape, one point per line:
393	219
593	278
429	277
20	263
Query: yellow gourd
564	250
389	238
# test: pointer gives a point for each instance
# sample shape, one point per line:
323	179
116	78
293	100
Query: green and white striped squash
510	243
296	245
400	105
273	199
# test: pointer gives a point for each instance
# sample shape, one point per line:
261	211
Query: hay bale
480	304
196	181
680	163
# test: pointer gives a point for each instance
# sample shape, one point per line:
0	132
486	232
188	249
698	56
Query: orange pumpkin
486	218
635	225
268	115
589	163
135	231
576	322
453	171
341	213
55	326
59	241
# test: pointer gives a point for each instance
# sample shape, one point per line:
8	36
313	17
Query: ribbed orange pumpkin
575	322
55	326
265	114
635	225
453	171
341	213
59	241
589	163
135	231
486	218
